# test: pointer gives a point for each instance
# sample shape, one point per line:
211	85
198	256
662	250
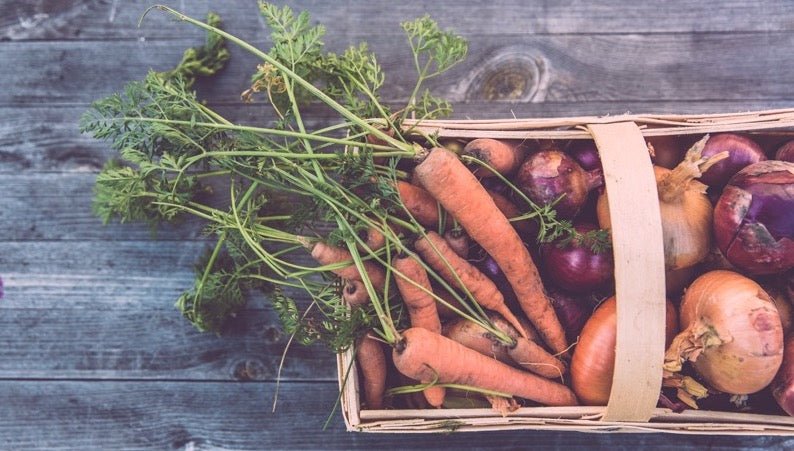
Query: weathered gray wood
530	68
39	206
74	342
75	20
103	274
216	415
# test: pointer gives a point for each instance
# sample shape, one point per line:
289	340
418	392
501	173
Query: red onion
572	311
786	152
585	153
575	267
783	385
549	175
667	151
742	152
754	218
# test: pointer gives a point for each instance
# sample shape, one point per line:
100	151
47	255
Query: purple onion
742	152
786	152
549	175
754	218
574	267
585	153
572	311
1	288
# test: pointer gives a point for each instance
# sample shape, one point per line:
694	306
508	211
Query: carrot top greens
283	185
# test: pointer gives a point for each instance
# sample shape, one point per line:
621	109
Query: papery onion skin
737	326
686	223
742	152
754	219
546	175
783	385
593	361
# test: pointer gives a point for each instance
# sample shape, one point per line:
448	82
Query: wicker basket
639	275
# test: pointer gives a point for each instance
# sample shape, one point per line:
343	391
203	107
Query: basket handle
639	270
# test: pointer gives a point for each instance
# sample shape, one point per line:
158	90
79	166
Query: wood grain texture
96	19
216	415
568	68
68	342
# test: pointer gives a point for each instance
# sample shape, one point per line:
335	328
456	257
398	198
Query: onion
783	385
666	151
575	267
684	207
675	280
731	332
786	152
549	175
754	218
593	359
572	311
585	153
742	152
783	304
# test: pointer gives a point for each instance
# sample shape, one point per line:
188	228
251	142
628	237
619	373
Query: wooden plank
86	20
217	415
101	275
140	343
523	68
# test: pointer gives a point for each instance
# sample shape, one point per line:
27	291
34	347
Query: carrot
458	241
501	155
375	239
354	292
426	356
421	306
437	253
419	203
474	336
528	354
327	254
372	362
443	310
457	189
524	227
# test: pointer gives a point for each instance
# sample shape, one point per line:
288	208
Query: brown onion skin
593	359
783	385
736	308
742	152
754	219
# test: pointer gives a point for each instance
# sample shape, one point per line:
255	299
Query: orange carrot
528	354
419	203
327	254
457	189
510	210
443	311
372	362
474	336
426	356
421	306
437	253
354	292
502	155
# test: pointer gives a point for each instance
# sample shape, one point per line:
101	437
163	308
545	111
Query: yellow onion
593	359
685	209
730	331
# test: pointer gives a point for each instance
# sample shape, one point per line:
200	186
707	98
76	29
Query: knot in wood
510	75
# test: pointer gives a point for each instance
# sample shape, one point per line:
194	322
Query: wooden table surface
93	354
